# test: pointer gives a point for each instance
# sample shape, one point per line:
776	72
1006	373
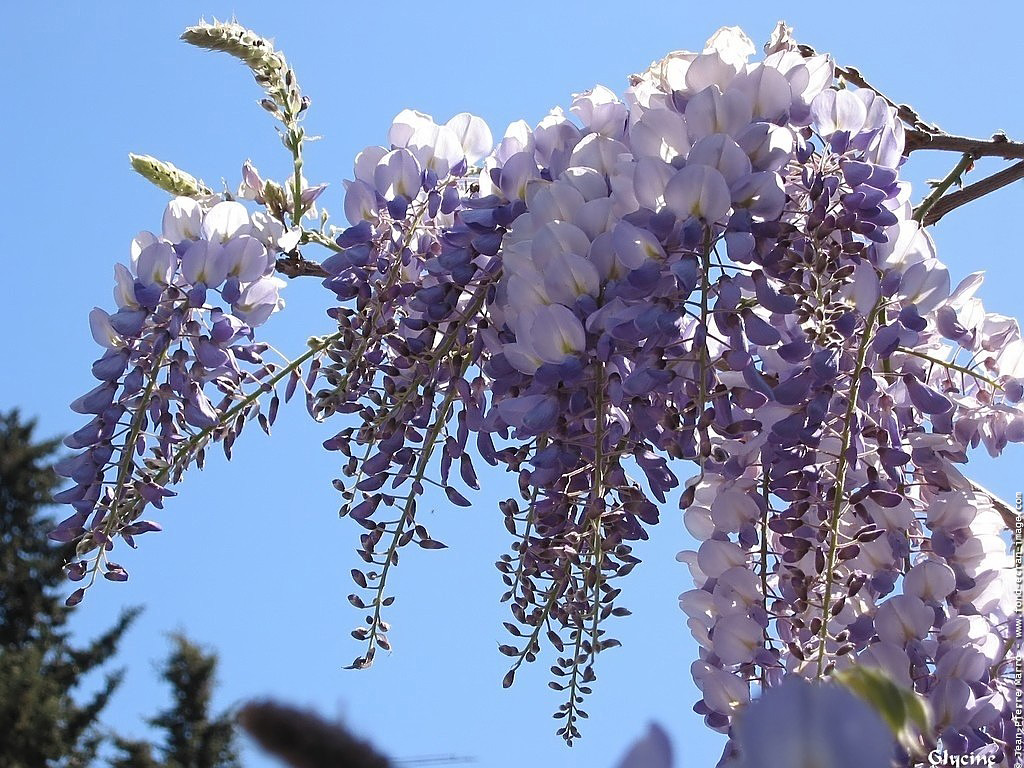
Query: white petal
226	220
732	44
102	331
698	190
634	246
660	133
556	333
866	288
710	69
408	123
366	161
711	111
183	220
598	152
720	152
650	177
735	639
699	523
930	580
834	111
474	136
124	288
716	557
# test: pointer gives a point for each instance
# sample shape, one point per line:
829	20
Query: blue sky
253	561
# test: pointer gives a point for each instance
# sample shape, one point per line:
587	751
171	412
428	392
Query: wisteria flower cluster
183	333
722	267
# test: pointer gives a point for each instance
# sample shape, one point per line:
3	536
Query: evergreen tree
41	723
192	737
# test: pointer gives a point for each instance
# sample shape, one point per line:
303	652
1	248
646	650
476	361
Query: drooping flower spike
721	267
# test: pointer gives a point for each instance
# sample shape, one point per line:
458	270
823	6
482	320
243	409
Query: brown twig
998	146
945	204
924	135
905	112
293	265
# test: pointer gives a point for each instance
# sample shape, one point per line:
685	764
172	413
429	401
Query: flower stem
124	469
949	366
295	134
940	189
597	499
838	488
408	511
192	443
765	493
705	289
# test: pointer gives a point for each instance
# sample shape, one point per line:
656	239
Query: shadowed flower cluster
179	354
722	267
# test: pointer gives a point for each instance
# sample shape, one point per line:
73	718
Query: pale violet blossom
803	725
600	111
652	750
224	221
183	220
102	331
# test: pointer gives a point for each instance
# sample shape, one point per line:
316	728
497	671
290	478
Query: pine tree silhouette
192	737
41	723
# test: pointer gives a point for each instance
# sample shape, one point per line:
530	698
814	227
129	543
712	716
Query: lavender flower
723	267
169	350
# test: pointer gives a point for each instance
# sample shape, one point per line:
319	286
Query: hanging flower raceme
179	356
839	478
721	267
418	261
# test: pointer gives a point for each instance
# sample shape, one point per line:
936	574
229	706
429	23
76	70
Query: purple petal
653	750
926	399
794	389
95	400
948	324
759	331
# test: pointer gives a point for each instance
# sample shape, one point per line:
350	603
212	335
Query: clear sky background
253	561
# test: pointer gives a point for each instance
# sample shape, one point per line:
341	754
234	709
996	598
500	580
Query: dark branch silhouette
294	265
924	135
971	192
998	146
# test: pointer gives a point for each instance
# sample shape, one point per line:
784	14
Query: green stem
296	138
764	564
597	498
940	189
124	468
705	289
840	484
570	714
408	510
192	443
949	366
294	135
553	593
439	355
368	336
313	236
530	517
